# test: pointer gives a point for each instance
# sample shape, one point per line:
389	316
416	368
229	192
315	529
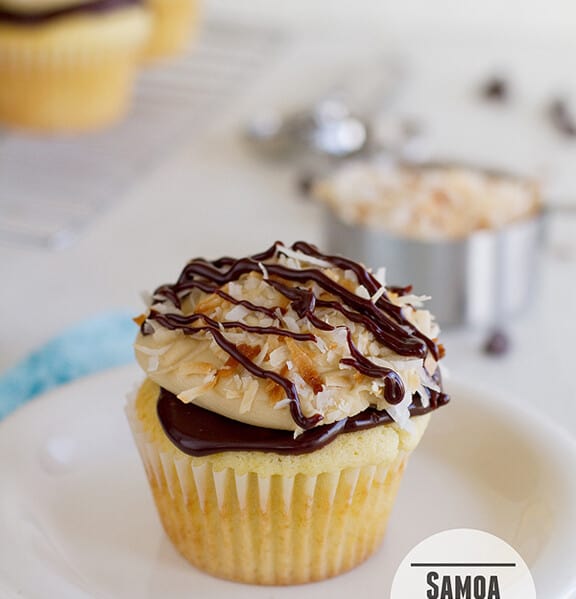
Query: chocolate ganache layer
200	432
39	17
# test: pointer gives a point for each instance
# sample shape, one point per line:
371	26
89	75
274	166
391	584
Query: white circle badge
463	564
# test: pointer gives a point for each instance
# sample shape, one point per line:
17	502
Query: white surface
512	16
77	520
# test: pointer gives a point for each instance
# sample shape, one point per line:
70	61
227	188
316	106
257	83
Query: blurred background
211	140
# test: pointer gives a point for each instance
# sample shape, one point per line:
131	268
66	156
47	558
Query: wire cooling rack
52	188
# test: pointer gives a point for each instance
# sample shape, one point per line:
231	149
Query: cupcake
284	393
68	66
173	25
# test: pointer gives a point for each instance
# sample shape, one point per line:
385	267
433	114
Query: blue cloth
92	345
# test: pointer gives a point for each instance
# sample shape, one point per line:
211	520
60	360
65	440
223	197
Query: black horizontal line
462	565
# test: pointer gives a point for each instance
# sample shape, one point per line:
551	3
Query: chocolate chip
497	344
495	89
412	128
146	328
562	117
305	183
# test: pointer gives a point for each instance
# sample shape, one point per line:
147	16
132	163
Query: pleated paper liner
71	75
271	529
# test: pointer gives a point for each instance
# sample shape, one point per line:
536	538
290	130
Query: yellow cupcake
264	518
284	395
173	26
69	69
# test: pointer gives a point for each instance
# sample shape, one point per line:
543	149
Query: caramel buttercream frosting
291	339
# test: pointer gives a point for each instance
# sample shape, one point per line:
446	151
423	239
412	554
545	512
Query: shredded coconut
428	202
263	269
152	351
283	403
378	294
300	257
238	312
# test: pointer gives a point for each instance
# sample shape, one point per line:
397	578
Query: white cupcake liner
268	529
180	476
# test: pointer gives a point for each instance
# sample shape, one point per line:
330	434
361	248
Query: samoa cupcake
68	65
284	393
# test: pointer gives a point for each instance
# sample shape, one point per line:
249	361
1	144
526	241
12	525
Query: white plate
77	520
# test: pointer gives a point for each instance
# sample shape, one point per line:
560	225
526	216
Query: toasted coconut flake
249	351
235	289
305	365
332	357
252	282
430	364
225	372
198	368
193	393
274	392
250	390
283	403
231	362
231	392
264	270
152	351
337	379
297	432
378	294
278	356
237	313
166	307
320	343
299	382
261	357
399	413
350	275
291	324
208	304
324	400
422	320
416	301
140	319
303	258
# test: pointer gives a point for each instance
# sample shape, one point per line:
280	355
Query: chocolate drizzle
200	432
41	16
380	316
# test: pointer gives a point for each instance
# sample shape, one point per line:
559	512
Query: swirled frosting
290	339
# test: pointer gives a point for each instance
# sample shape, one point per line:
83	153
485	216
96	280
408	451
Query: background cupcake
173	26
68	66
284	395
